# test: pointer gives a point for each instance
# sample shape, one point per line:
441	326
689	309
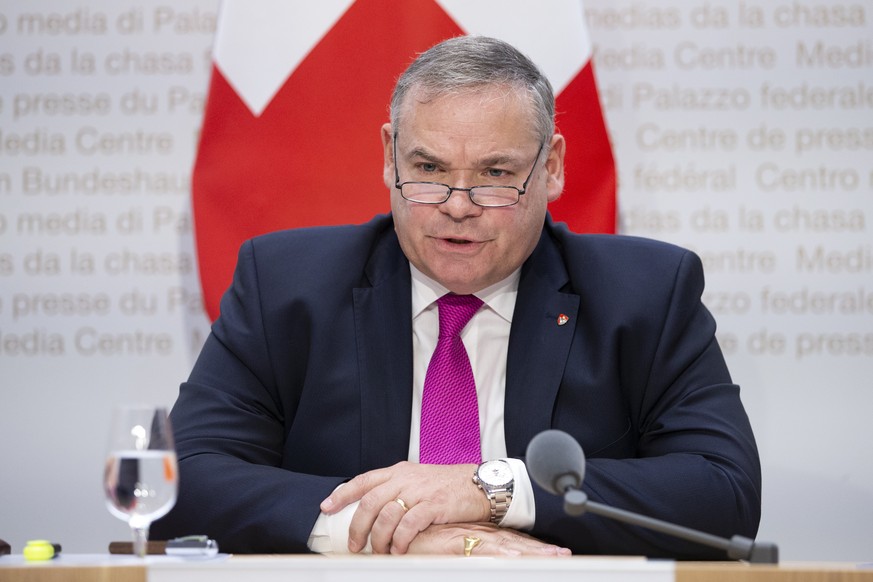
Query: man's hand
492	541
431	494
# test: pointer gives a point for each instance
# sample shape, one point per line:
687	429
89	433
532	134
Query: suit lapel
538	345
383	332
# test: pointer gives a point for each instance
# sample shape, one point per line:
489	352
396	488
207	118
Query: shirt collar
499	297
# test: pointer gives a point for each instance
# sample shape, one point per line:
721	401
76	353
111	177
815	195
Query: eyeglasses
436	193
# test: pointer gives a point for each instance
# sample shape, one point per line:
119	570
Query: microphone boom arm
576	503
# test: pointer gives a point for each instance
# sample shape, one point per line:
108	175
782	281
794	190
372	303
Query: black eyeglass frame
449	189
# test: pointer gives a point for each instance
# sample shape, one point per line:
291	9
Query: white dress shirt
486	338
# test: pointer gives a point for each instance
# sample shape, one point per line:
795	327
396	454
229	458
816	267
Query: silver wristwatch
496	480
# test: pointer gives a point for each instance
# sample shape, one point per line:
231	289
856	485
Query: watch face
495	473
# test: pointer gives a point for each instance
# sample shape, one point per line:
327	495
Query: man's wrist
496	481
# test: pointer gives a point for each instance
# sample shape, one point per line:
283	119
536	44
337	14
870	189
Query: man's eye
496	173
427	168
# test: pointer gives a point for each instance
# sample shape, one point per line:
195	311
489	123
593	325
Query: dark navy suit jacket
306	381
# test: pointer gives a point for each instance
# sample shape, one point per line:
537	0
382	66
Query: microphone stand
576	503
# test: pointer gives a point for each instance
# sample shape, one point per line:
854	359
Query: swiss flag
298	93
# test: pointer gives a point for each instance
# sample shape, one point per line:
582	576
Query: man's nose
459	204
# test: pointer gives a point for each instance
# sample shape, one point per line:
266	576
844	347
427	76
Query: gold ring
399	502
470	542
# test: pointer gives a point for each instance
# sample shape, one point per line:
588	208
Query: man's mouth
459	243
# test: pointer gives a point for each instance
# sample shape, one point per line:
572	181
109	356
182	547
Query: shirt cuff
330	534
522	512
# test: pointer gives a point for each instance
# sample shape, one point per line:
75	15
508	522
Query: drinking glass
141	476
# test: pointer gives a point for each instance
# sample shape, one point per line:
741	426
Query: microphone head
555	461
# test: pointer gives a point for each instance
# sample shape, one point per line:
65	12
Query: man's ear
388	155
555	167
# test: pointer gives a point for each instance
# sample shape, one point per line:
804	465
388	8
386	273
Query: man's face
472	138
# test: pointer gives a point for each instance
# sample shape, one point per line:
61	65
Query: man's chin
460	283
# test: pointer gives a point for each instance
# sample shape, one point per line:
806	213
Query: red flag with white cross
299	90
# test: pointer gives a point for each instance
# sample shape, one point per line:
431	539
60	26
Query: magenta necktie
449	406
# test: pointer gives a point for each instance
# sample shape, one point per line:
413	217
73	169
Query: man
306	422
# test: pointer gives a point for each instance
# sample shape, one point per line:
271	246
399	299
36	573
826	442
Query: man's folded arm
230	435
696	461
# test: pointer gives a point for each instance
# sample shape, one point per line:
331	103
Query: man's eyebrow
500	160
425	155
487	162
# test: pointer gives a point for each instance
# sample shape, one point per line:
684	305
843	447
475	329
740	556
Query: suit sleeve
229	425
695	460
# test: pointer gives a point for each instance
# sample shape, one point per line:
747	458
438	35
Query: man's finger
509	542
386	522
414	522
371	505
353	490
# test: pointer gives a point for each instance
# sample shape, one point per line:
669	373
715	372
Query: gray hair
469	62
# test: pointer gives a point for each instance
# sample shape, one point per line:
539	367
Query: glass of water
141	476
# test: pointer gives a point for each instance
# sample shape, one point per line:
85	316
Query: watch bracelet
500	501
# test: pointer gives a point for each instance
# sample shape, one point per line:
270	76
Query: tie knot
455	311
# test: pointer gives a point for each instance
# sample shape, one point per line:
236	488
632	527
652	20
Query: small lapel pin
563	319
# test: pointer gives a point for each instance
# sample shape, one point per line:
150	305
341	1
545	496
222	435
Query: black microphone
556	463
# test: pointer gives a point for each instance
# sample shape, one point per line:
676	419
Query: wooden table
106	568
